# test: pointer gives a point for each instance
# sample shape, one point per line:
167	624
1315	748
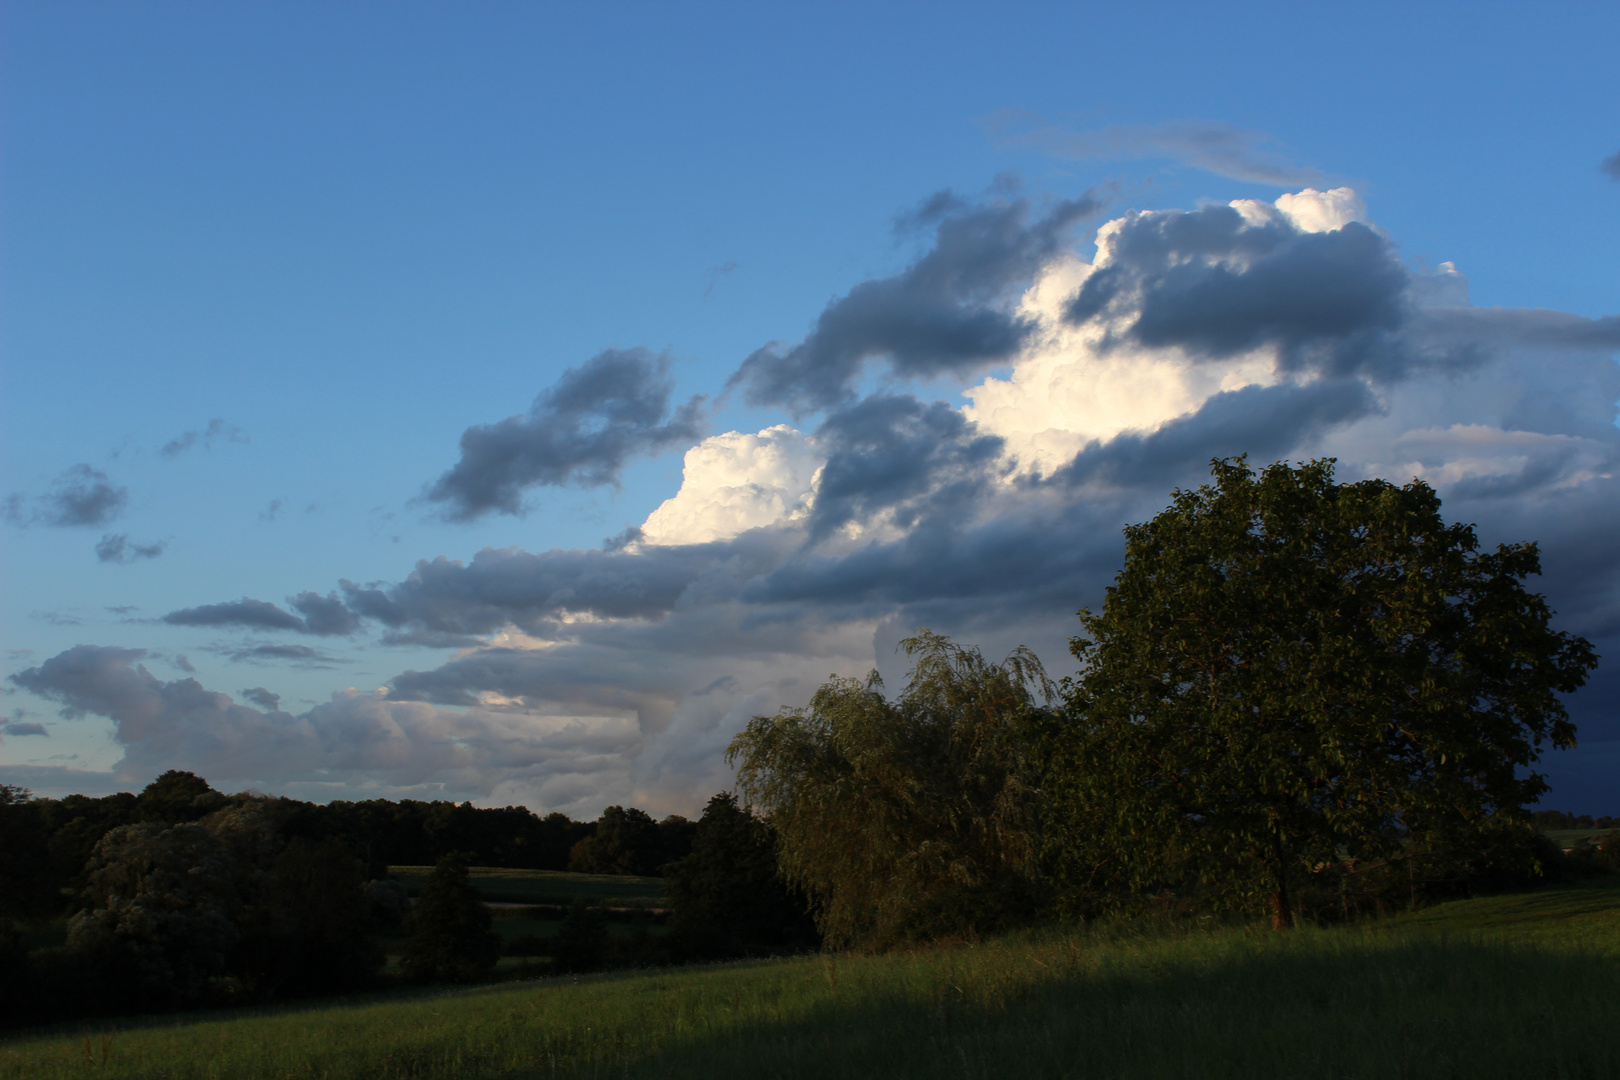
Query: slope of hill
1513	986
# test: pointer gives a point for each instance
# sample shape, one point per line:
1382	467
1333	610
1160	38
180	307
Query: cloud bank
1286	329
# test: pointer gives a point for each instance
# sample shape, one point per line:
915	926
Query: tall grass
1511	987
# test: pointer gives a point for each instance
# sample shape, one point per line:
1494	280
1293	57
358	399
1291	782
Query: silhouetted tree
625	842
727	895
178	796
452	938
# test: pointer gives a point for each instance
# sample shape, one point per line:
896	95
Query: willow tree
909	818
1288	668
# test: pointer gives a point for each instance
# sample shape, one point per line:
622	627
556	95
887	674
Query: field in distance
1517	987
496	885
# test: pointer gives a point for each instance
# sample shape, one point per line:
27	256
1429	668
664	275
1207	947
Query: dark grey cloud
300	655
216	431
1211	283
1265	422
893	452
263	698
1611	165
949	313
118	548
1234	152
325	616
82	497
14	728
246	612
582	431
445	601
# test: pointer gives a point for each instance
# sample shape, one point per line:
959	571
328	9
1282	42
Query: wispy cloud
1611	165
82	496
217	431
1238	153
118	548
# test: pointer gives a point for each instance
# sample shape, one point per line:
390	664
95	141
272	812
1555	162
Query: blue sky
351	233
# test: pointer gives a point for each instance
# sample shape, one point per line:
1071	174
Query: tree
912	818
727	894
452	937
163	904
1287	668
29	890
625	842
178	796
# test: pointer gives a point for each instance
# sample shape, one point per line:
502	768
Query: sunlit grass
1522	986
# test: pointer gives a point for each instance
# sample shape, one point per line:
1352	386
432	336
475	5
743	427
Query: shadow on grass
1315	1006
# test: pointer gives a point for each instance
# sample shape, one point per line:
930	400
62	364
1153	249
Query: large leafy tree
1287	668
909	818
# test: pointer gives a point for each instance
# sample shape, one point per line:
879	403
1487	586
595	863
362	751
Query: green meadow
1512	986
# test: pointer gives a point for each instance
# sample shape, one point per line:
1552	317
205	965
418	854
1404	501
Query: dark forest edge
1305	699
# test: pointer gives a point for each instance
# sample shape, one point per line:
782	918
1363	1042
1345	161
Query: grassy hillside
1519	986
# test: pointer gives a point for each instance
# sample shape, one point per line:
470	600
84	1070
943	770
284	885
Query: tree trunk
1282	906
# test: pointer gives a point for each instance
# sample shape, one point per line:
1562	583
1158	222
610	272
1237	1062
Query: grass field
1516	986
496	885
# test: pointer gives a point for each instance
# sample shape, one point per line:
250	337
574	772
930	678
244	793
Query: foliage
628	842
178	796
1288	670
29	890
906	819
625	842
164	908
451	937
728	897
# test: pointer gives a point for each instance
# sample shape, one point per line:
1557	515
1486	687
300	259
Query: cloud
82	497
735	482
273	511
13	728
322	615
399	747
263	698
1226	280
299	655
1288	329
948	313
1611	165
117	548
216	431
582	431
1234	152
246	612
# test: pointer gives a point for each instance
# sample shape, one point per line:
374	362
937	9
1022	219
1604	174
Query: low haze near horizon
506	402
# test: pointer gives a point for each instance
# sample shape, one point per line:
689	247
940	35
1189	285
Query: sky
505	402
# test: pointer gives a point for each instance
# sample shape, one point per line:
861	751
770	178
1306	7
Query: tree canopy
908	818
1287	668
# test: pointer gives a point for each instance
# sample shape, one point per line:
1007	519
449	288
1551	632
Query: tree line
1301	698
